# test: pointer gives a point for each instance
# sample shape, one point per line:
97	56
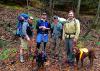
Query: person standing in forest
42	27
71	31
23	31
30	33
56	27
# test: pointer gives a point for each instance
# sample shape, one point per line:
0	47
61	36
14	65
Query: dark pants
69	46
56	49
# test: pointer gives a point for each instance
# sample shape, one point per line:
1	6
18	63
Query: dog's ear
76	50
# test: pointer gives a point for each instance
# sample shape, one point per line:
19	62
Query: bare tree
78	8
97	14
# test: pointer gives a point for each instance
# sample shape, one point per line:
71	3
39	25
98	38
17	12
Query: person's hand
43	28
63	40
27	38
75	40
40	27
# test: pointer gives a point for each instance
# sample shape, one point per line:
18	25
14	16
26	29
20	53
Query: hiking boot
21	58
71	63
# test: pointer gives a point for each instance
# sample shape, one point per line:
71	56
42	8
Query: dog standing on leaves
82	53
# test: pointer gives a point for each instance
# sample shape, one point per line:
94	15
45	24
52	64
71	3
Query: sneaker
21	58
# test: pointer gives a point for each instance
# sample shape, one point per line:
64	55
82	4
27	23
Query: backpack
21	19
19	29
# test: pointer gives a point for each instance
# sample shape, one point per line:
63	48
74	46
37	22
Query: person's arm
46	28
63	35
61	31
77	29
24	28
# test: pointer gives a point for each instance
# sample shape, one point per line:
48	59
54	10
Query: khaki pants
24	43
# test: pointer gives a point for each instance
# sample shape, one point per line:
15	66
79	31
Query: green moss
4	54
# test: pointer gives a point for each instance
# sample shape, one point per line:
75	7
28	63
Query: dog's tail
92	53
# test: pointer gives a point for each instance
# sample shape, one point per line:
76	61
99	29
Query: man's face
70	15
30	21
55	21
44	16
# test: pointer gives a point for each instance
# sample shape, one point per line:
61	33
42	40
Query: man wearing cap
42	32
26	37
71	31
56	27
30	30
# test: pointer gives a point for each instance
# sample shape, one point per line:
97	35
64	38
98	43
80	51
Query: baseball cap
44	13
31	17
55	17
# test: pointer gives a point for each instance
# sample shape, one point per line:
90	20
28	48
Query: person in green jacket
56	27
71	31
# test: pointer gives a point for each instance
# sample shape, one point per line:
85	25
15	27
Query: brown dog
82	53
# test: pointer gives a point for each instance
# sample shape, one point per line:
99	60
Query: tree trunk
78	8
97	14
51	9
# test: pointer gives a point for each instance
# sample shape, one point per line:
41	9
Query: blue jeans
69	46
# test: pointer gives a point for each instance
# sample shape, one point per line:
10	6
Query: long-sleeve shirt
71	27
24	28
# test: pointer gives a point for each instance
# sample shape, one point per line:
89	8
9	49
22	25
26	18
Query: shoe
44	56
21	58
21	61
71	63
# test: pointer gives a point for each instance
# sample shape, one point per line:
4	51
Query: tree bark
78	8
